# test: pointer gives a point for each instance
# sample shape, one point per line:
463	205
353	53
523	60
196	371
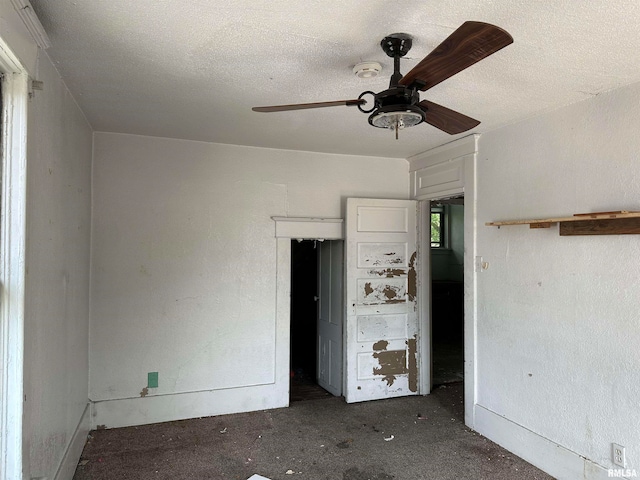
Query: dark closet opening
304	322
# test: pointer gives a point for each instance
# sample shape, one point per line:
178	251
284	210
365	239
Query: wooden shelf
598	223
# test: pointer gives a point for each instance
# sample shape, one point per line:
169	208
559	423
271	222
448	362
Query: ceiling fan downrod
396	108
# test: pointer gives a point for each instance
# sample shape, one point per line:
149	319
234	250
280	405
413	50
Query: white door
381	320
330	313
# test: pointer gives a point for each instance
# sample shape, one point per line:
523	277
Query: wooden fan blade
469	44
303	106
447	120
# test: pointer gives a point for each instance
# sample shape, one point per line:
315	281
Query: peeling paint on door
389	379
380	345
412	280
382	291
382	255
388	272
367	289
397	362
383	317
393	260
412	351
392	363
390	292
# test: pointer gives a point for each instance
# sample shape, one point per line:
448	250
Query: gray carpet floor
326	439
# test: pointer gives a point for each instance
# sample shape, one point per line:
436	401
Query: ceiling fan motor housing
399	100
399	95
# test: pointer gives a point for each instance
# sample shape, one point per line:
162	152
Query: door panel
381	321
330	315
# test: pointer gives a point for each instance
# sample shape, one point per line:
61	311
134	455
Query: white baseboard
165	408
67	467
548	456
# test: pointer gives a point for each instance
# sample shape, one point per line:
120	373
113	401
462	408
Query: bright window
437	227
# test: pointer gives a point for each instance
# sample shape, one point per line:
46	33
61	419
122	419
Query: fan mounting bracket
396	44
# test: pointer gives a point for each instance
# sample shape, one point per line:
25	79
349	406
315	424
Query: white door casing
330	313
381	334
443	172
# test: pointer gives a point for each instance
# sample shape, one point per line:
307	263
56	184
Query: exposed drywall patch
144	392
412	366
412	280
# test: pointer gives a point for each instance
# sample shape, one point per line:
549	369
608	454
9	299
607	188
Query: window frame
15	96
443	211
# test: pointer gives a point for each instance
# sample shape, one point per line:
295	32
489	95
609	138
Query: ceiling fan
399	106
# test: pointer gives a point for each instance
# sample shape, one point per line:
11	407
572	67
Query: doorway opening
304	331
316	319
447	290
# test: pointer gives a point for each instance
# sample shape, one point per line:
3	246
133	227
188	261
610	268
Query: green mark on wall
152	380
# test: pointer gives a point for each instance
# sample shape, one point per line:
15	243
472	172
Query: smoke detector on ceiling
367	69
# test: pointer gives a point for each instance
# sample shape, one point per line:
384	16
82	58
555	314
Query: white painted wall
558	345
184	269
57	282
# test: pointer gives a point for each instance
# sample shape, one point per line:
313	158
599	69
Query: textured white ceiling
193	69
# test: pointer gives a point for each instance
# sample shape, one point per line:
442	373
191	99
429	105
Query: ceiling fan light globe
398	118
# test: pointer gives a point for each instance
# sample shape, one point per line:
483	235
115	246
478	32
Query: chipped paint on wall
144	392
